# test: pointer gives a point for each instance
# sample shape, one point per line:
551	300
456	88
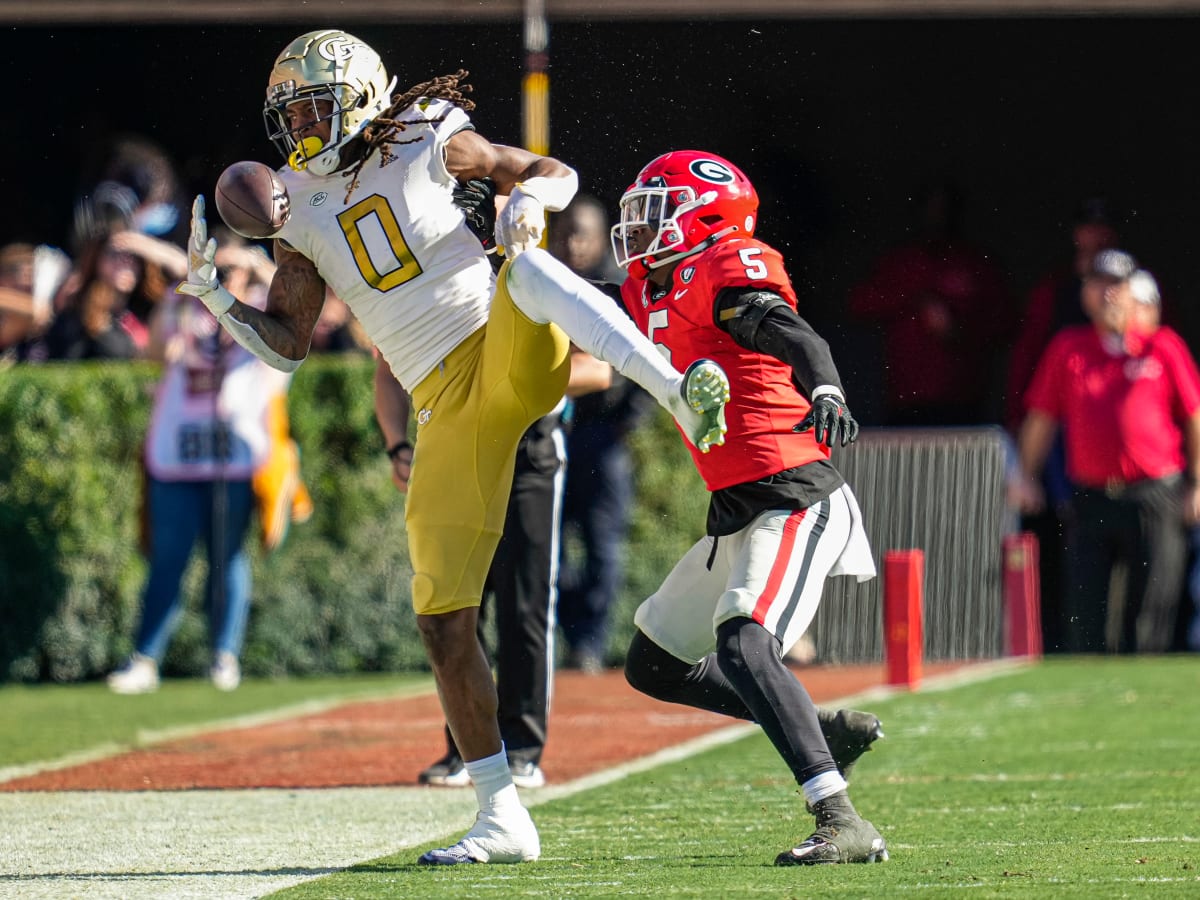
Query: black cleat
849	734
841	836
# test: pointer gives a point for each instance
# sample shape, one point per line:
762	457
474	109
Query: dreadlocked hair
382	131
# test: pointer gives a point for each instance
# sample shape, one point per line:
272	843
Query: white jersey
212	406
399	252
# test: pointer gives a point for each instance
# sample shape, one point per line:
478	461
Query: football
252	200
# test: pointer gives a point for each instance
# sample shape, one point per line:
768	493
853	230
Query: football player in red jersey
781	518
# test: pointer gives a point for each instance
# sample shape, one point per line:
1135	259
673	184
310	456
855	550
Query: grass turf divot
1071	779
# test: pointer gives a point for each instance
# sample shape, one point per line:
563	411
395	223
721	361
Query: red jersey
764	403
1122	412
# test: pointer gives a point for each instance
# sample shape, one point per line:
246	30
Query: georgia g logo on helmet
339	49
711	170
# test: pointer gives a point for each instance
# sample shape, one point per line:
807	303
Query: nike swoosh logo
679	294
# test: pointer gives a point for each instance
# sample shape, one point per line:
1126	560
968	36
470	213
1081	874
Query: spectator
942	302
1147	315
579	237
210	432
1129	405
115	272
1054	303
135	186
600	476
29	277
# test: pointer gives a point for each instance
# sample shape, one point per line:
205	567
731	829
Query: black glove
828	417
477	200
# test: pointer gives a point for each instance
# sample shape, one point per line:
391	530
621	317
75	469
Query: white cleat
513	839
701	414
138	676
225	673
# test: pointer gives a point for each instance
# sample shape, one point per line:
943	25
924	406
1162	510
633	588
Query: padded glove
477	200
828	419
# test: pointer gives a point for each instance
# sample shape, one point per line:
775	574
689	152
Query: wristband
553	193
394	450
827	390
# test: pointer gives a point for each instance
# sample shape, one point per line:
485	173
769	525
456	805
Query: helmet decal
339	48
711	170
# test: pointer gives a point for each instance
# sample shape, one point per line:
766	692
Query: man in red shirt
1129	405
781	518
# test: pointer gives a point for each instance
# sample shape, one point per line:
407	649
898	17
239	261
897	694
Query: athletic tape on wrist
552	193
827	390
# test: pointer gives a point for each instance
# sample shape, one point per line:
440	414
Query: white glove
50	268
520	224
202	281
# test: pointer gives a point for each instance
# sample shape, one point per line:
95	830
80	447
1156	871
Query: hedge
334	598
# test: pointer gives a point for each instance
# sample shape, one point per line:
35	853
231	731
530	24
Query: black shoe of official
841	836
449	771
849	734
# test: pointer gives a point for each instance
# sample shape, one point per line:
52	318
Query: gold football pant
471	412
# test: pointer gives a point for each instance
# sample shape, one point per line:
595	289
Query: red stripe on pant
779	568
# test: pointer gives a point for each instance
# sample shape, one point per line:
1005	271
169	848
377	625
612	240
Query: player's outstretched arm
279	336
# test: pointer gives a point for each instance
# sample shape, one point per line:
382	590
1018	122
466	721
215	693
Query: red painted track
595	722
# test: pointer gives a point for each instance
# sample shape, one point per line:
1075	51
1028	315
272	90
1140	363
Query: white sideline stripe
146	737
204	845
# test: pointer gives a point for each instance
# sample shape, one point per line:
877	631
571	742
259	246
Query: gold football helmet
327	66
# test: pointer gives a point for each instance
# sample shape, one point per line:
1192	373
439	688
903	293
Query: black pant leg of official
1087	570
605	523
1158	580
523	578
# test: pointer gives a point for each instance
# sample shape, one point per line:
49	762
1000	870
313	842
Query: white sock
547	291
824	785
494	788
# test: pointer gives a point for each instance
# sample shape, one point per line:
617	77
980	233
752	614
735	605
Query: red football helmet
691	200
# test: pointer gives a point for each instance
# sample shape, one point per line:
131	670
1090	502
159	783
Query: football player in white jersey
370	178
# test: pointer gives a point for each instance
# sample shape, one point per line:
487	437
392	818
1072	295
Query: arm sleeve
764	322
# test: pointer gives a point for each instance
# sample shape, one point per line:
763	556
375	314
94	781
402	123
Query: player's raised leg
545	290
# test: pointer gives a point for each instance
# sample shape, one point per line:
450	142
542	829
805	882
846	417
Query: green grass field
1076	778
